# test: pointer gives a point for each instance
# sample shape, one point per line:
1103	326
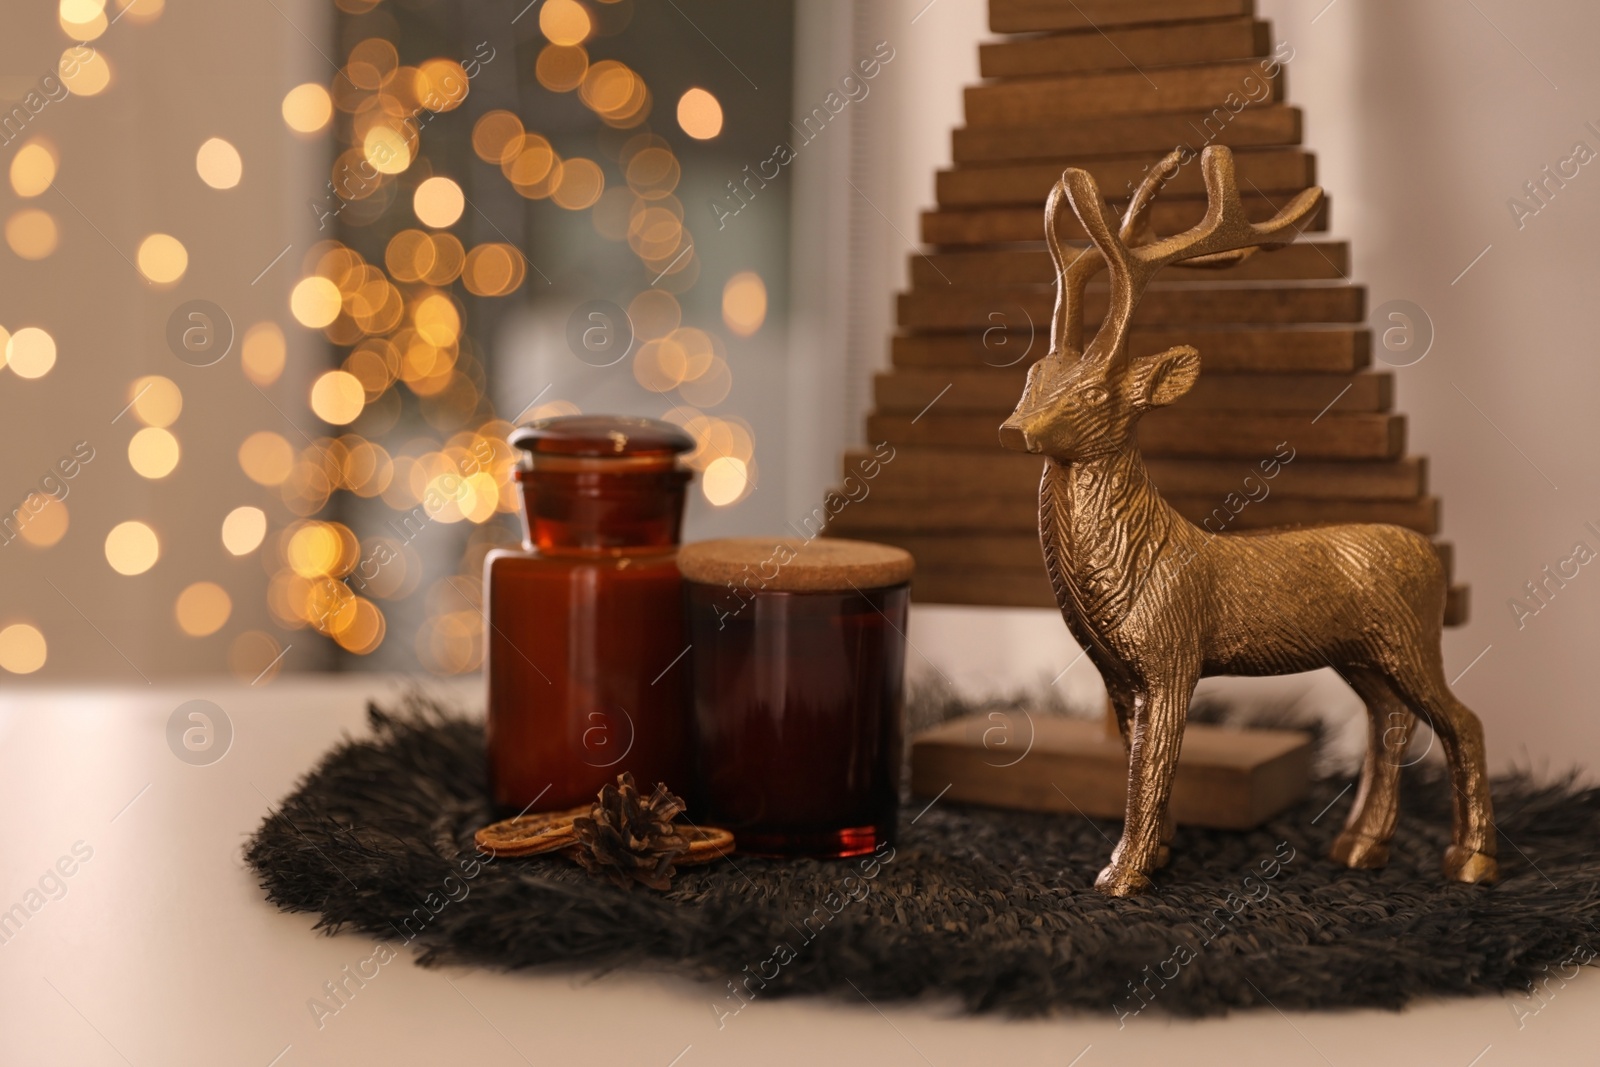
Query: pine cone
629	838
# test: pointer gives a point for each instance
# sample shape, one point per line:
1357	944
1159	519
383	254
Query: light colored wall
1425	117
128	169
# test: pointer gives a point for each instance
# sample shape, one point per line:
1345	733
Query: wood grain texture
1030	588
1265	170
1034	16
1222	350
995	269
1082	138
918	473
963	561
1001	225
1171	432
1225	778
938	308
1121	47
994	392
1233	86
1231	512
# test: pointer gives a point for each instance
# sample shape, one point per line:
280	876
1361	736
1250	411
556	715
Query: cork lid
794	564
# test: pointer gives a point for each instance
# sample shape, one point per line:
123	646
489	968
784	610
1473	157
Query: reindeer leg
1125	702
1364	842
1470	857
1157	737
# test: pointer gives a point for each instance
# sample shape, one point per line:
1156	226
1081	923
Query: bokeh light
162	258
387	149
44	520
564	22
580	186
33	168
153	452
725	480
337	397
614	92
132	548
532	166
438	202
266	458
653	172
83	70
497	136
437	319
360	628
202	609
744	303
31	352
262	353
493	270
315	302
243	530
83	20
307	108
315	550
699	114
442	84
218	164
22	648
560	68
32	233
140	11
372	63
155	400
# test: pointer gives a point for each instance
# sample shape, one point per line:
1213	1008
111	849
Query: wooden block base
1226	779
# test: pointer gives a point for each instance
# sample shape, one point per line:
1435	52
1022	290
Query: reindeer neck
1103	526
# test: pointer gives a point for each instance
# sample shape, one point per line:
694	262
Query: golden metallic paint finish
1159	603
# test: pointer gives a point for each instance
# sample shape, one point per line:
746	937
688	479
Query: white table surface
162	950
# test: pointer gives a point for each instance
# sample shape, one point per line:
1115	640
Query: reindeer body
1157	603
1125	565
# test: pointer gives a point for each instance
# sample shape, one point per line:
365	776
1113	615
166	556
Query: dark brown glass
797	712
585	665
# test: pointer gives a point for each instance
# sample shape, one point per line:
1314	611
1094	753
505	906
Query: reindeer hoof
1474	868
1117	881
1359	851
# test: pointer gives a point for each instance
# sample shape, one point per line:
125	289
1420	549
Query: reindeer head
1082	402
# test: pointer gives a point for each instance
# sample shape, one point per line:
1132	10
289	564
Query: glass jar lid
601	437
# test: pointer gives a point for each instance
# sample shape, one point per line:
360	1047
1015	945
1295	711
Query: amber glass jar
799	659
586	643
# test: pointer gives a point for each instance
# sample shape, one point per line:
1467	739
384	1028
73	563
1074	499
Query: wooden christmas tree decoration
1286	353
1287	428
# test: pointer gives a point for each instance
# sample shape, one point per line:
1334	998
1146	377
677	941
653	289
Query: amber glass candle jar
799	652
585	648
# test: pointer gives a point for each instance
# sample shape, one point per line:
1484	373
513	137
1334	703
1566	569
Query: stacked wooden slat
1111	86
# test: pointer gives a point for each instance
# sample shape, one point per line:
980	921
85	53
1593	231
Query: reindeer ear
1158	380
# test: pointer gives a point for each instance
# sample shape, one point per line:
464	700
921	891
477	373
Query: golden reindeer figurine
1158	603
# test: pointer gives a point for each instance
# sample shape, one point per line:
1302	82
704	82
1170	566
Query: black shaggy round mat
993	908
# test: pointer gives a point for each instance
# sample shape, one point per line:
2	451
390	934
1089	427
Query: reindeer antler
1074	268
1225	229
1073	274
1134	255
1136	227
